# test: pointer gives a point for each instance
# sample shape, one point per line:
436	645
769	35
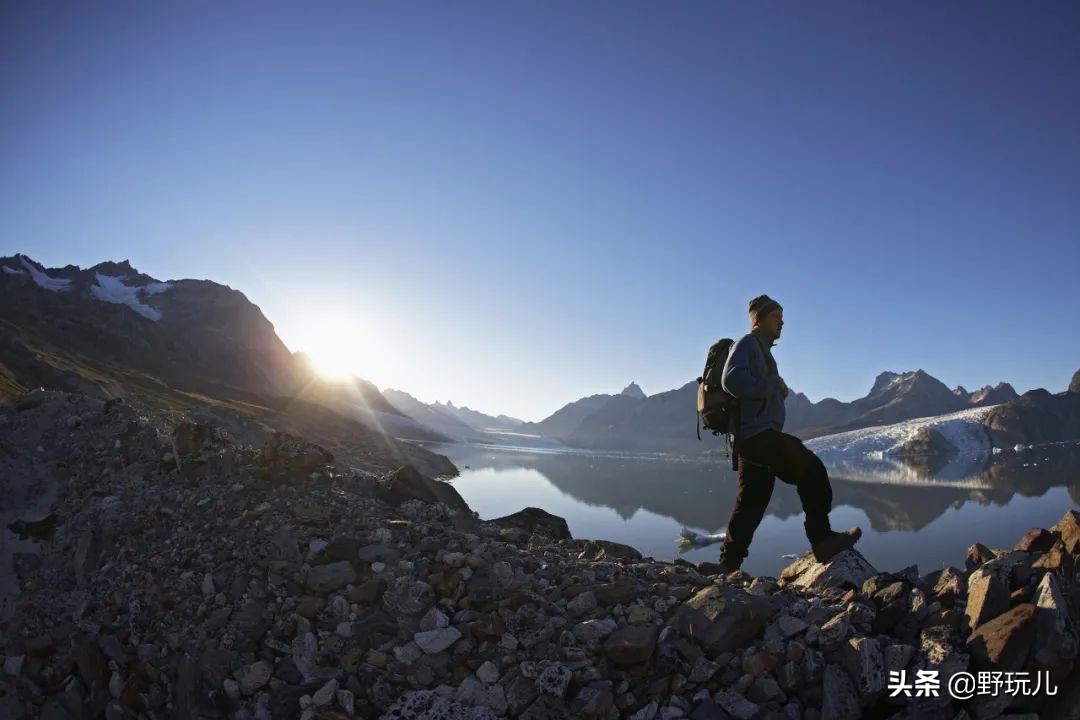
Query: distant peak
633	390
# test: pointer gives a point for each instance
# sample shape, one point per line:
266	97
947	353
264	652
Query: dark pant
763	457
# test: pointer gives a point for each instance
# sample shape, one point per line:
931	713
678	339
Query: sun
341	347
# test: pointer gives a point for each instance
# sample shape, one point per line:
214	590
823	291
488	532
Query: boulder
846	569
978	554
608	550
724	618
863	659
1055	634
292	455
407	483
949	586
1068	528
840	700
1004	642
1035	540
987	597
631	645
535	521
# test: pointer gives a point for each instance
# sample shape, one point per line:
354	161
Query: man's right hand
783	386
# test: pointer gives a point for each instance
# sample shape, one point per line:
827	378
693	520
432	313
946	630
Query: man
765	451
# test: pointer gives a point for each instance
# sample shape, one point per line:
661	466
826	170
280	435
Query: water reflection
654	495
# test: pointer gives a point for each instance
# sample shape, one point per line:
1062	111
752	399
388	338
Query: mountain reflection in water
934	508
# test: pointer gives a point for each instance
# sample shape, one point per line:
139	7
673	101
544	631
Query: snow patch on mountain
113	290
13	271
43	279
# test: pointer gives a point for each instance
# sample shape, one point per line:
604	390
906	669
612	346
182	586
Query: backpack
717	409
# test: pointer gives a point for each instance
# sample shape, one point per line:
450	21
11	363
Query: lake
920	516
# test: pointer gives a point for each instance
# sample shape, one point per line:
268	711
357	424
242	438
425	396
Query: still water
914	517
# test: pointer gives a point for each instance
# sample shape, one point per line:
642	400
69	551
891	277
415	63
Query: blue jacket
750	374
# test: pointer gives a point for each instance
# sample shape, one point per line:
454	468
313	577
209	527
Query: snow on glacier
44	280
869	454
113	290
13	271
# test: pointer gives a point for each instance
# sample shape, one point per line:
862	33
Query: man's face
773	323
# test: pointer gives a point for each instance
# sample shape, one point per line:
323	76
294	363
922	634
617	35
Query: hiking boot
729	565
834	543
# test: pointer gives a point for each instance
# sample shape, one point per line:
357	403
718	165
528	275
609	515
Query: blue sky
511	205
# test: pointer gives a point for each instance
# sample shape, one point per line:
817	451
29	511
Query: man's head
766	316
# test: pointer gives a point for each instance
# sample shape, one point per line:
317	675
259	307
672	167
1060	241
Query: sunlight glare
342	347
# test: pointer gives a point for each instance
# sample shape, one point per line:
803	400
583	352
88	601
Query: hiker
765	451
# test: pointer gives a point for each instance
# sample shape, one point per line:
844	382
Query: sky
514	205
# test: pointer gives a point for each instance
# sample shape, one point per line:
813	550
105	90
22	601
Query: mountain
633	391
662	422
436	418
112	331
894	397
479	420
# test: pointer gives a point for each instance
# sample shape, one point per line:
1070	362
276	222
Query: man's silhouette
765	451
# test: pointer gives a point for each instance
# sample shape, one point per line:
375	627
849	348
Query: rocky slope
1037	416
183	575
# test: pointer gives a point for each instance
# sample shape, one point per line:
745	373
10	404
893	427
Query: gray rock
839	698
863	659
407	596
987	596
582	604
430	705
631	645
326	694
253	677
897	657
305	649
330	577
434	618
764	690
785	627
648	712
437	640
1055	635
553	680
473	691
593	631
846	568
834	632
723	618
735	704
488	672
703	669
